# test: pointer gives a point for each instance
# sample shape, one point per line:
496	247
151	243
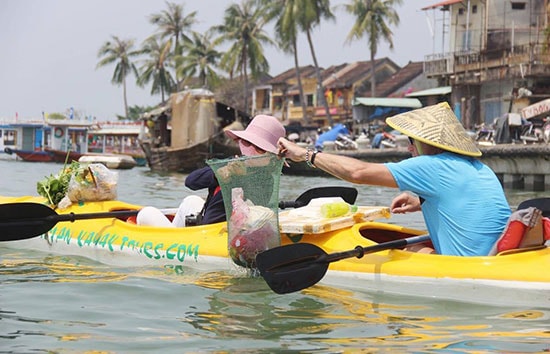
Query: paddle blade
294	267
19	221
297	266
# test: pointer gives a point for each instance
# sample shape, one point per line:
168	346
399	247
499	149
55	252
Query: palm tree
119	51
372	19
200	60
173	24
287	33
243	29
155	67
309	15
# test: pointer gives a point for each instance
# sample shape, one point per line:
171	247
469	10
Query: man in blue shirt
462	201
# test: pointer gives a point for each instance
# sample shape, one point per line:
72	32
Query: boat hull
188	159
30	156
61	156
514	279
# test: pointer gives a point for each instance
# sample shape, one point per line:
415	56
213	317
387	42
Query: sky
49	50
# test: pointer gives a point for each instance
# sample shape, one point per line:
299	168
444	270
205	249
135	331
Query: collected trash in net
250	189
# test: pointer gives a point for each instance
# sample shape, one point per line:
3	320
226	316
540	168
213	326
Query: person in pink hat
259	137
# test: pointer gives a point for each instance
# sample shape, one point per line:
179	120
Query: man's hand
405	203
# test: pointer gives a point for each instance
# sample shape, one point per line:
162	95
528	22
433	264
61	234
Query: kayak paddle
20	221
297	266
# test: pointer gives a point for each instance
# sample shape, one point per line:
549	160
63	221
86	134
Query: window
518	5
10	137
296	100
265	101
474	9
309	100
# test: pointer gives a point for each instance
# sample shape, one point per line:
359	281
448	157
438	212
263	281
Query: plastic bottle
336	209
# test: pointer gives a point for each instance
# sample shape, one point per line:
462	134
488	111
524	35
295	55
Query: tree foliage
373	19
200	60
155	67
174	24
120	52
243	28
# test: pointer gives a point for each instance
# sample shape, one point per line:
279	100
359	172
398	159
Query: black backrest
348	194
543	204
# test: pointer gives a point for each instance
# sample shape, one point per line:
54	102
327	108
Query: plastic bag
94	183
252	229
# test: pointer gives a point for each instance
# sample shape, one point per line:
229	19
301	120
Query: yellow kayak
516	278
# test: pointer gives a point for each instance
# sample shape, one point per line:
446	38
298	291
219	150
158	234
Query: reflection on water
328	318
53	269
47	301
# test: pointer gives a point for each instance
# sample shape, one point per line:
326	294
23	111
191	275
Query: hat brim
253	139
436	126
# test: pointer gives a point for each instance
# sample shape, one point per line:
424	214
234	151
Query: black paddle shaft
19	221
294	267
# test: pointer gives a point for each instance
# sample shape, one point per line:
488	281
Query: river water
60	304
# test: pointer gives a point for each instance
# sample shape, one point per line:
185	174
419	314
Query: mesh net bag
250	190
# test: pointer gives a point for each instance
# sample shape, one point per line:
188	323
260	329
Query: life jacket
525	228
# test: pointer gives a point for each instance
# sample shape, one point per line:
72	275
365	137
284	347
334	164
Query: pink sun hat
263	131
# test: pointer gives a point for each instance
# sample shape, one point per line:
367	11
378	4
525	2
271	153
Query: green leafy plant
55	187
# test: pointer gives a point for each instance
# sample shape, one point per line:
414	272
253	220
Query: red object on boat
31	156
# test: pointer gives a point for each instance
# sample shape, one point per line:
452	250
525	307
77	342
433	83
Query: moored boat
182	135
117	138
30	155
62	156
113	161
508	279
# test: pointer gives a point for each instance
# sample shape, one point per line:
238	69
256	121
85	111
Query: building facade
280	96
495	56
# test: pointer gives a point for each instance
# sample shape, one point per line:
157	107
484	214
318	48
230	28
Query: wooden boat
30	155
61	156
112	161
181	136
46	155
509	279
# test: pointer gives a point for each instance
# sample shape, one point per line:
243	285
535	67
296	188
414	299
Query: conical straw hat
438	126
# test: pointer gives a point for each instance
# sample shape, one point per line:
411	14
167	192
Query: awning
441	4
436	91
388	102
115	131
155	112
72	123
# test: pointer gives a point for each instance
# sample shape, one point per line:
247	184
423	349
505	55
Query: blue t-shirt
465	209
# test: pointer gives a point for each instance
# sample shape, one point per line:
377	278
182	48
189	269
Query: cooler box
308	219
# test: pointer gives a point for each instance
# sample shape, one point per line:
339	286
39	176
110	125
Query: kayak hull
514	279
